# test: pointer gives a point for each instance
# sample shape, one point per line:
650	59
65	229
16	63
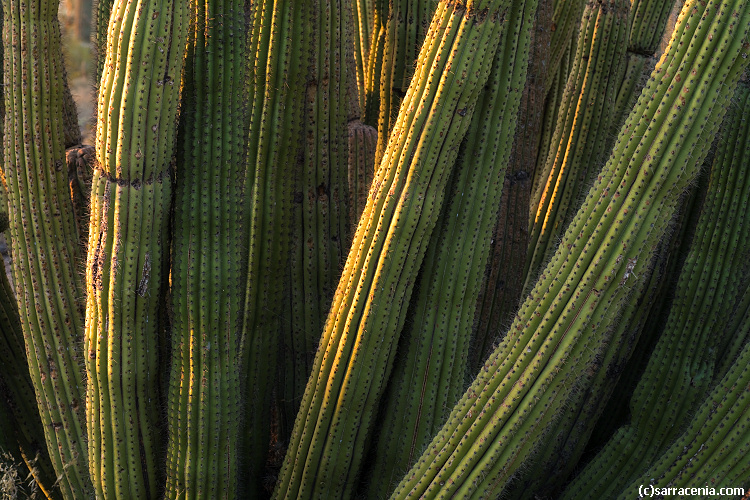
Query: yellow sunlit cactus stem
431	368
359	339
583	127
128	244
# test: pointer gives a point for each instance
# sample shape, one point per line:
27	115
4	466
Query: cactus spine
45	245
494	429
207	260
128	244
682	367
431	368
358	342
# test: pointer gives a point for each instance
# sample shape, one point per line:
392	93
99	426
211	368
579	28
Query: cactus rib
682	366
431	367
45	248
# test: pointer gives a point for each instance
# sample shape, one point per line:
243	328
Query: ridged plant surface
405	30
496	426
369	307
43	232
712	452
320	217
207	258
500	293
432	365
582	128
21	432
683	366
131	199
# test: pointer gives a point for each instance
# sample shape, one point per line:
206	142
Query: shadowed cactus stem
207	258
43	232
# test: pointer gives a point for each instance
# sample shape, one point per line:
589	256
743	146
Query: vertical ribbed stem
320	228
583	128
712	283
496	427
128	248
500	292
45	243
431	368
207	289
713	451
21	434
279	46
405	30
363	18
368	312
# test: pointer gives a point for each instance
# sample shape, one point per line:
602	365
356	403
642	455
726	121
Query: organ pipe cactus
494	429
429	373
128	243
712	283
500	293
405	30
286	78
320	230
207	265
42	228
347	381
582	129
21	432
712	453
363	19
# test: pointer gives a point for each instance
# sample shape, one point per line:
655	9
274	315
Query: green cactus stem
363	18
320	228
683	365
371	108
430	371
712	452
281	41
21	431
128	245
45	242
405	30
582	130
207	259
566	18
362	141
357	346
494	430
